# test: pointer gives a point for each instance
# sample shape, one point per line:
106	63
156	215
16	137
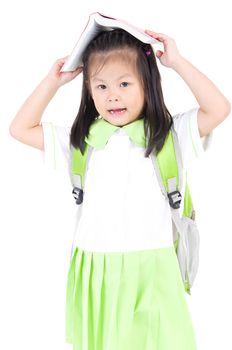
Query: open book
98	23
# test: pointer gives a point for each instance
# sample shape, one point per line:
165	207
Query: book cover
97	23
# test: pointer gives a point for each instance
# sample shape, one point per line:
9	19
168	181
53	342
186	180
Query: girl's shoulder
56	154
186	127
184	119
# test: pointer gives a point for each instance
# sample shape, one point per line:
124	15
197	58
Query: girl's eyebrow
122	76
125	75
97	79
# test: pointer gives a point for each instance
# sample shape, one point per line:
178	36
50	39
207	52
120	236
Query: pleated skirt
128	300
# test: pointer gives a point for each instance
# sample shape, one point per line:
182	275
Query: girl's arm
214	107
25	126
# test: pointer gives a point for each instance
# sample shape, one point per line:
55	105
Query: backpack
169	171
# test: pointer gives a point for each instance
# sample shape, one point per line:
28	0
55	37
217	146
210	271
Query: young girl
124	288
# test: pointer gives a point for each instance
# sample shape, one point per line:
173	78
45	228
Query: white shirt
123	208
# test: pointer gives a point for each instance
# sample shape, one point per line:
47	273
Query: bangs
99	59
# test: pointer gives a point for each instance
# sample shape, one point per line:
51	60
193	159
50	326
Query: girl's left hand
170	54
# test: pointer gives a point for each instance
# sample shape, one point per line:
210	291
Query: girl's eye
125	84
101	87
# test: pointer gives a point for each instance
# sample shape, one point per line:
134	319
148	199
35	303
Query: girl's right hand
61	78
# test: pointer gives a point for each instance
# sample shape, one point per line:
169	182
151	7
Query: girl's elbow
224	111
227	109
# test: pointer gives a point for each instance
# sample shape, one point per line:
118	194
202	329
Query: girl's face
117	91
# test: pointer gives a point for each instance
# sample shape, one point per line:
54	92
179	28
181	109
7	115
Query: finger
63	59
158	36
77	71
159	53
150	32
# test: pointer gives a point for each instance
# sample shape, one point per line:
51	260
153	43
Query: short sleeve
191	144
56	154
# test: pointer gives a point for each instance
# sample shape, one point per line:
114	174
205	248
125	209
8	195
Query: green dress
130	299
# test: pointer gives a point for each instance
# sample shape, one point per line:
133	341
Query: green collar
100	131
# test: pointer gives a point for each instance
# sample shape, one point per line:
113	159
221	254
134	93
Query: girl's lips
117	111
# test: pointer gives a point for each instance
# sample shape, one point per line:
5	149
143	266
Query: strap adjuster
175	199
78	195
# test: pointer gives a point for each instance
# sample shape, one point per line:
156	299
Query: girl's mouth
118	111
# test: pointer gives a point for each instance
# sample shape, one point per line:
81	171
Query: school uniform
124	287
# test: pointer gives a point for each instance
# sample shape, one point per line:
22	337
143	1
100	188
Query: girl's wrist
178	63
52	83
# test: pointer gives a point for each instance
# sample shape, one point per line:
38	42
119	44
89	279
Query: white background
37	208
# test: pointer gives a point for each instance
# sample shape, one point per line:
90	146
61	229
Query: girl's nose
113	99
112	96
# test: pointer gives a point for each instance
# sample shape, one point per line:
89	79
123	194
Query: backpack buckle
175	199
78	195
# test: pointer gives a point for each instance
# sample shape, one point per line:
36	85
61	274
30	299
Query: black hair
157	119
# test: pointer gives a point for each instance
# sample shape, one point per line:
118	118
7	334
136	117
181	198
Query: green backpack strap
170	166
78	163
169	171
78	169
